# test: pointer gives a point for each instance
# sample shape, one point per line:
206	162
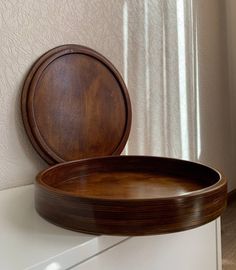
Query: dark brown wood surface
75	105
130	195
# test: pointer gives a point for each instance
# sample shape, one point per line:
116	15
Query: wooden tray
130	195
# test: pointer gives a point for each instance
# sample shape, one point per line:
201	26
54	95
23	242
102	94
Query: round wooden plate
130	195
75	105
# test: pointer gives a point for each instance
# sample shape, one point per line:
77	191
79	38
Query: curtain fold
164	91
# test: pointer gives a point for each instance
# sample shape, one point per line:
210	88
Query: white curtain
175	66
161	78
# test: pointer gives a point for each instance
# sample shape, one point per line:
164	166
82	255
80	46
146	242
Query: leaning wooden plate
75	105
130	195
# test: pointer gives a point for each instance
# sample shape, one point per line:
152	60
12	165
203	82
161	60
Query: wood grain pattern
130	195
75	105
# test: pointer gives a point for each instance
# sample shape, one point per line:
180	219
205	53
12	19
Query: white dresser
29	242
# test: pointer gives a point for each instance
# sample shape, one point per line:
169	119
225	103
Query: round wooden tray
130	195
75	105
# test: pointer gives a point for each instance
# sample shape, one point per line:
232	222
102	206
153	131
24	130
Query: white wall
214	96
231	44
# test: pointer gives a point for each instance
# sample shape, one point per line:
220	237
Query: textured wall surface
28	28
154	46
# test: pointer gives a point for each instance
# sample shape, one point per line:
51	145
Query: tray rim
201	192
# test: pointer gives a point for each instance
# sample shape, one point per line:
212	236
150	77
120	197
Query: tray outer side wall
125	217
